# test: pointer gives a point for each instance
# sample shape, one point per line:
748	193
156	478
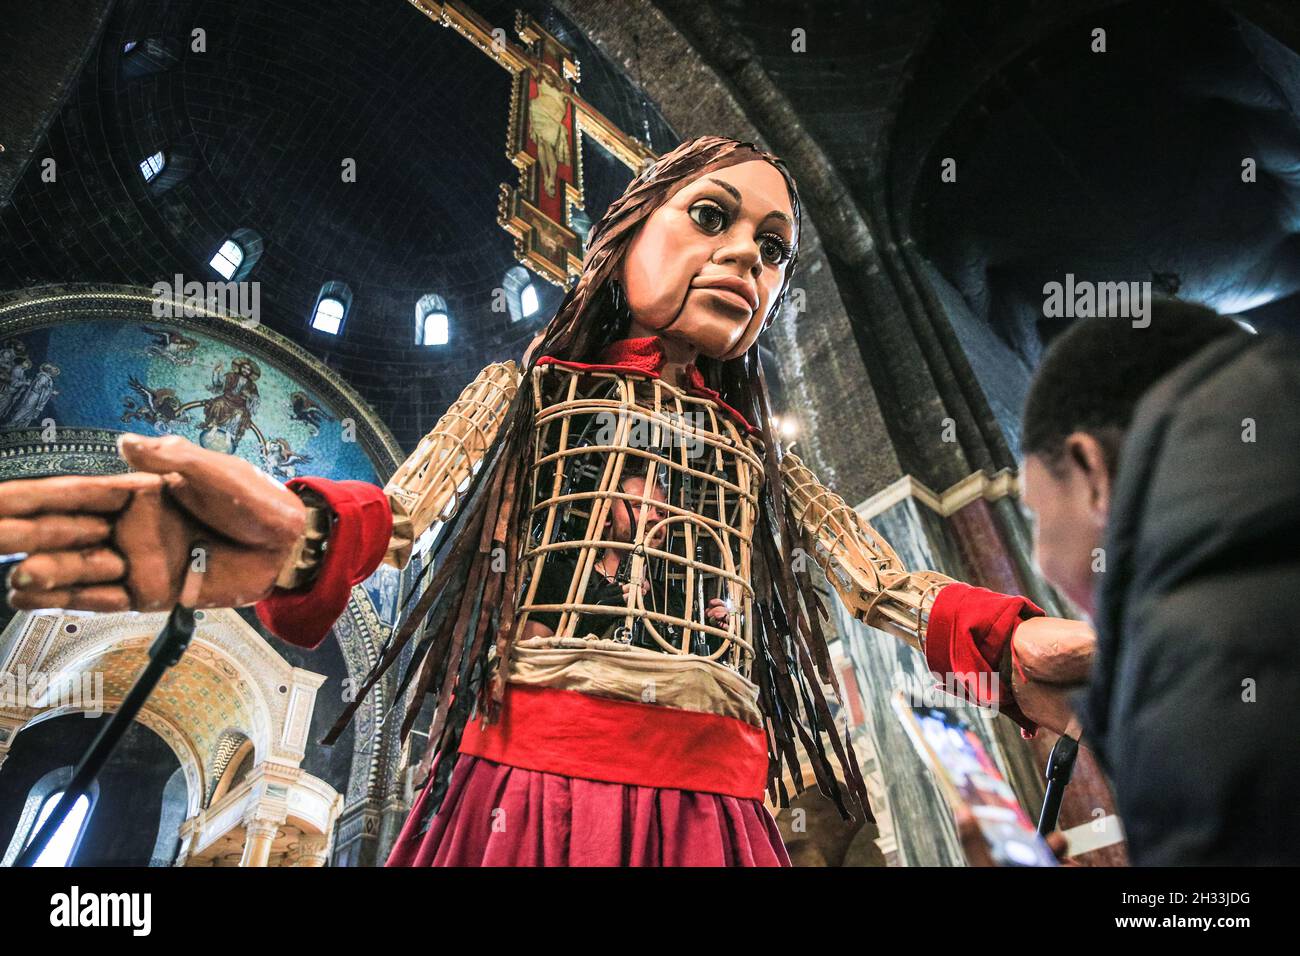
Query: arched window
228	259
59	850
172	164
153	165
41	799
329	316
237	255
141	57
432	325
521	294
331	309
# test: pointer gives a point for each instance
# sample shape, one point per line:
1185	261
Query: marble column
187	841
259	834
313	850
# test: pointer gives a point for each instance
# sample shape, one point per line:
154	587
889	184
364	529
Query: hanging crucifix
548	120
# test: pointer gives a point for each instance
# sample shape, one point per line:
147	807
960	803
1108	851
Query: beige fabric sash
605	668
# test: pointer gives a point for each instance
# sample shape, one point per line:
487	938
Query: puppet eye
775	249
709	216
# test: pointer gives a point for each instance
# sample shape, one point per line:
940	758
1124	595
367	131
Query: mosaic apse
159	379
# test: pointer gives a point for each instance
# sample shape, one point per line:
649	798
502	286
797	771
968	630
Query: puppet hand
1048	705
1052	658
1055	649
127	542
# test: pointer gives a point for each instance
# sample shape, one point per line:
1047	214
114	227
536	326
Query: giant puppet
619	635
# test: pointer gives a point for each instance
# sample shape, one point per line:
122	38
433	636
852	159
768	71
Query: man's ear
1085	452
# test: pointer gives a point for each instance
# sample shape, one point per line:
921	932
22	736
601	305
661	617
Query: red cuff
356	546
969	630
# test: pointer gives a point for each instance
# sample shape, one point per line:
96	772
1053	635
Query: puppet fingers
100	597
70	494
60	569
1054	649
226	493
52	533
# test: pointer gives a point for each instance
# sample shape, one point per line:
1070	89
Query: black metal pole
165	651
1060	766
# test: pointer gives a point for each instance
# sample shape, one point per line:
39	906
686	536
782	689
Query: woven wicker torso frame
692	516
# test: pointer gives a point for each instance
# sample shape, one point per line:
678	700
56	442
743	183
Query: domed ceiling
1128	165
257	127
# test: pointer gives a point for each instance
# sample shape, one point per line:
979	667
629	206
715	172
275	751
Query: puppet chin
745	340
715	335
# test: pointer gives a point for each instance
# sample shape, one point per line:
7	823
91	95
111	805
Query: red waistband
618	741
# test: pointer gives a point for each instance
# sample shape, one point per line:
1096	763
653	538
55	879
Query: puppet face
705	267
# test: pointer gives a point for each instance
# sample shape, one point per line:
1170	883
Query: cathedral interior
363	169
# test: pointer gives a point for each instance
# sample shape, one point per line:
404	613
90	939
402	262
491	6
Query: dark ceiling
262	121
844	84
1125	165
1121	164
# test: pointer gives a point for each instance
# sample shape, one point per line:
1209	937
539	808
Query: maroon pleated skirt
497	815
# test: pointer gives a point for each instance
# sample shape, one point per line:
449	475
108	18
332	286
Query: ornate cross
548	120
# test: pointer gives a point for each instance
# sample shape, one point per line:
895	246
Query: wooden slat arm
869	577
429	485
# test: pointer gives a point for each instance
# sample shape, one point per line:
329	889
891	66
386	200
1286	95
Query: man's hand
718	612
127	542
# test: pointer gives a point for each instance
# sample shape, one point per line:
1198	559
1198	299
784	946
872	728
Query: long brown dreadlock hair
464	601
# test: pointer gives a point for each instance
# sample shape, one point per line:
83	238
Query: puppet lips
732	288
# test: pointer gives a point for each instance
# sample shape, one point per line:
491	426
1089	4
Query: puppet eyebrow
735	194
